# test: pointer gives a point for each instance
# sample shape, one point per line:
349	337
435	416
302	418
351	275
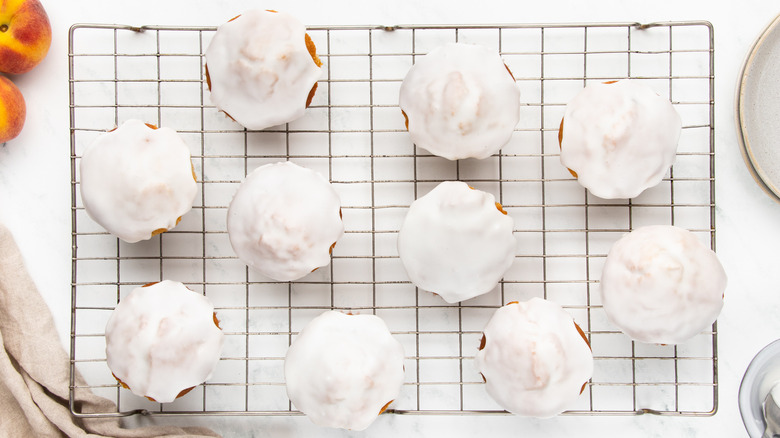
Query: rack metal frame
552	213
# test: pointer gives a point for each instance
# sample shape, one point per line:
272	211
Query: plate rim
744	142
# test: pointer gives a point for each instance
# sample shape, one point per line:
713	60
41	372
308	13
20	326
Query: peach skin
12	110
25	35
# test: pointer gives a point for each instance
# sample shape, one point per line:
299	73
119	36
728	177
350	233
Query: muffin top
456	242
284	220
260	70
136	180
619	138
534	359
162	339
661	285
343	370
460	101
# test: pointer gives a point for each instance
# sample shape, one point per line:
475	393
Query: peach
12	110
25	35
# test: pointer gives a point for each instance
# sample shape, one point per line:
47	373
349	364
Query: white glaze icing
283	221
461	101
342	370
136	180
661	285
455	242
260	70
161	339
619	138
534	361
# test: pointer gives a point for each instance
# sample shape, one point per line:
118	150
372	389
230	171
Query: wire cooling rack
353	133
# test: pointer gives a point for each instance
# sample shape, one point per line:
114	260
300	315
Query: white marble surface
35	189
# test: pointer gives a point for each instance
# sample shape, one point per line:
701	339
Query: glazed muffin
619	138
262	69
284	221
162	340
137	181
661	285
460	101
456	241
534	358
344	370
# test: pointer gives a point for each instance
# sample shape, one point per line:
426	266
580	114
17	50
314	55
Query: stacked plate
758	110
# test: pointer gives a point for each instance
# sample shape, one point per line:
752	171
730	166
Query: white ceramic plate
758	110
760	376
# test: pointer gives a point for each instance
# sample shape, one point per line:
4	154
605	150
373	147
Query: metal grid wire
353	133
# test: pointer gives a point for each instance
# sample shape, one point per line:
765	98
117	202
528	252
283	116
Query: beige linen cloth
34	368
